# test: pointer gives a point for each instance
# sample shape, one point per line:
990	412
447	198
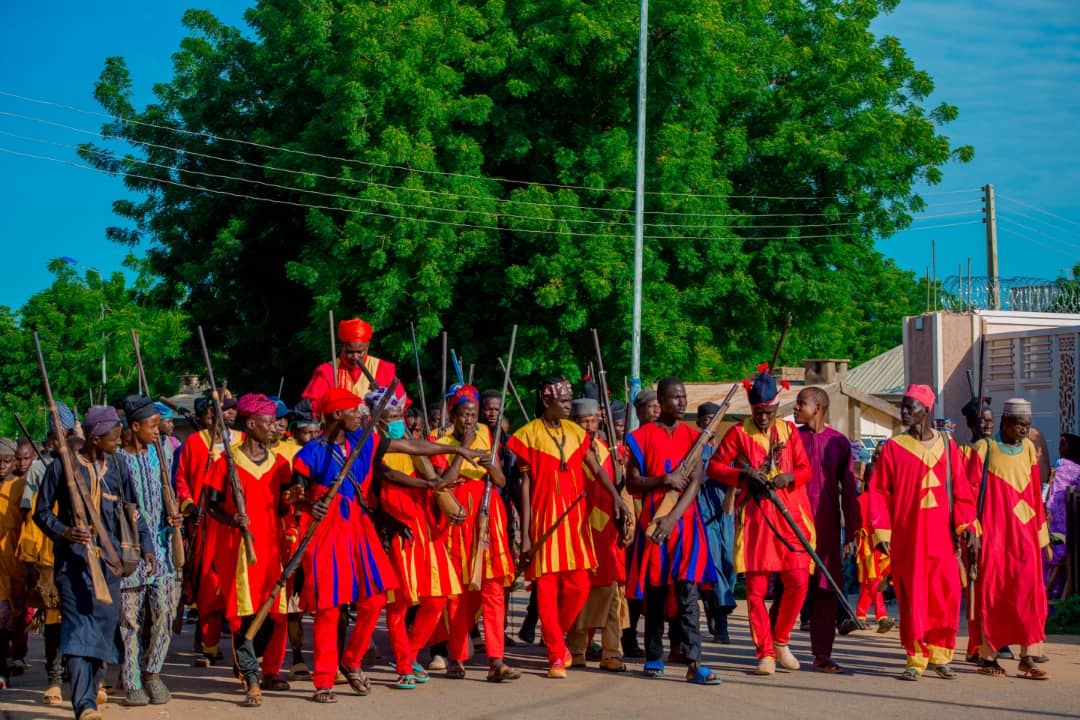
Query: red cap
354	331
336	399
922	393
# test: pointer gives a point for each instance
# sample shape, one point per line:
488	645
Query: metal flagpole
639	210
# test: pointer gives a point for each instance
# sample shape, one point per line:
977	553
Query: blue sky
1012	68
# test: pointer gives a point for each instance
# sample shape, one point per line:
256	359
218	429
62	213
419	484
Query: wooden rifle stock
522	566
230	461
483	529
298	553
168	495
691	461
81	504
446	500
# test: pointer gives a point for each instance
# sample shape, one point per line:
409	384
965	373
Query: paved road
869	689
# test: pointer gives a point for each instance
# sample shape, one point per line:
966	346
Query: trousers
325	639
766	633
490	602
559	599
153	604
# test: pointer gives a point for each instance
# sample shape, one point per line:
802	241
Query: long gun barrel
81	504
483	531
168	495
298	553
230	462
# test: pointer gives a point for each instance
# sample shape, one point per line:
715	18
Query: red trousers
490	600
407	643
560	598
762	631
210	628
869	595
325	639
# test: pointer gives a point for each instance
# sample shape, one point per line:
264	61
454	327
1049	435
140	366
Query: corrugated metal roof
881	375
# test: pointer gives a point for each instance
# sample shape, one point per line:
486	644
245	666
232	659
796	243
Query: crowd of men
433	515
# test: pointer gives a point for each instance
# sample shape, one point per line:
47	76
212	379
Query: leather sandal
990	668
1029	671
501	672
324	695
358	681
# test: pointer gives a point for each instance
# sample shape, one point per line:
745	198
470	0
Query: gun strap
947	444
982	483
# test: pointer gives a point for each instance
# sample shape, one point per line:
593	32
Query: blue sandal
704	676
654	668
405	682
419	674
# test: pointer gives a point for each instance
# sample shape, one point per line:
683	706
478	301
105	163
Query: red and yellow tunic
351	379
1012	596
554	460
12	570
908	494
245	586
685	554
345	561
610	555
498	563
757	522
872	564
422	565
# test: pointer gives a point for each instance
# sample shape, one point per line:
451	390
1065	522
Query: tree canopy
84	323
464	166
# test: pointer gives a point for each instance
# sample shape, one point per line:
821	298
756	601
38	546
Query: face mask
396	430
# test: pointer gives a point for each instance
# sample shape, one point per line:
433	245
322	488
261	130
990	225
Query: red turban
336	399
465	393
256	404
354	331
922	393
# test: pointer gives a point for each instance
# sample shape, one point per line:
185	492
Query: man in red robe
1011	604
552	453
920	503
355	336
763	450
262	476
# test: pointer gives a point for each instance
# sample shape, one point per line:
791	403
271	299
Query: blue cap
164	411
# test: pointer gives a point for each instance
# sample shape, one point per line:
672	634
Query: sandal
324	695
909	674
358	681
52	696
500	672
943	671
990	668
275	683
702	675
654	668
252	696
827	666
404	682
1029	671
419	673
455	670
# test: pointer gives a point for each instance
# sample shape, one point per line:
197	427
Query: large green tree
84	322
464	165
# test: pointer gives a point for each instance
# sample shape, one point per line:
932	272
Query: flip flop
943	671
358	681
654	668
909	674
827	666
704	676
324	695
405	682
419	673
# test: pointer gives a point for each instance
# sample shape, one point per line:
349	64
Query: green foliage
80	320
783	138
1065	618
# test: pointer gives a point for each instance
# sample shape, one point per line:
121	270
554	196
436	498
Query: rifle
514	392
483	531
691	462
333	350
420	381
168	495
442	390
230	462
522	566
606	415
81	504
457	367
780	342
28	436
770	493
298	553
